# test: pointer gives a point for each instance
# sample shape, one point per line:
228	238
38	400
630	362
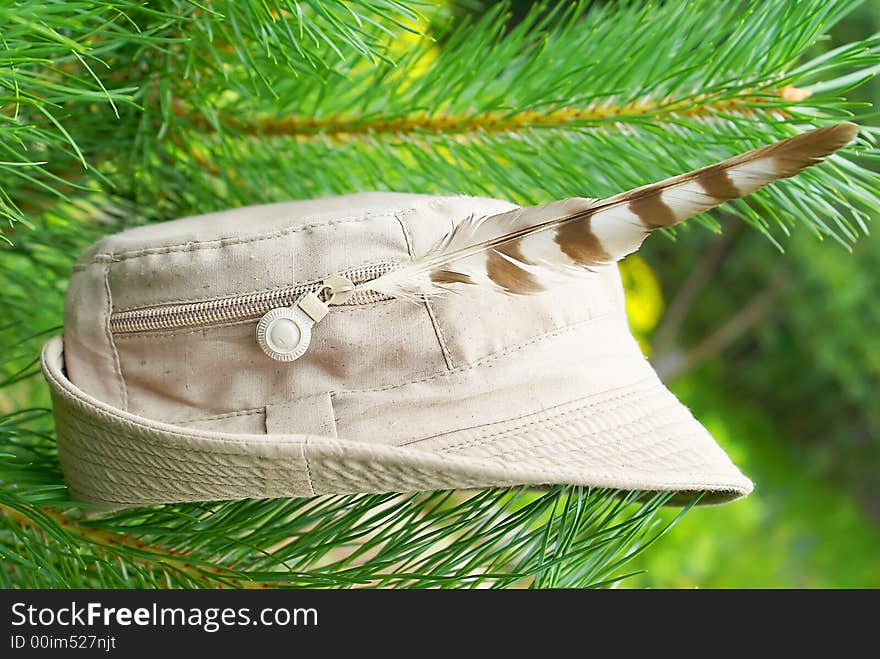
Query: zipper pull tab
337	289
284	333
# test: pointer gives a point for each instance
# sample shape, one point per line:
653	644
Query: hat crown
214	375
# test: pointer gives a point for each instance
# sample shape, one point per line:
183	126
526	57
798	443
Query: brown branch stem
106	541
687	294
674	364
485	122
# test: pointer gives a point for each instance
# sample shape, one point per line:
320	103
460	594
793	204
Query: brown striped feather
784	160
577	241
717	183
502	268
588	232
442	277
652	210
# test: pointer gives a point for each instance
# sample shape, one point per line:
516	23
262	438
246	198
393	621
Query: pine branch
537	123
479	124
120	113
494	538
258	40
64	65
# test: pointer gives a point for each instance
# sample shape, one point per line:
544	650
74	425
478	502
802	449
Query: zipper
252	306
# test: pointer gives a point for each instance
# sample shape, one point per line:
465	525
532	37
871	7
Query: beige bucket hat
173	380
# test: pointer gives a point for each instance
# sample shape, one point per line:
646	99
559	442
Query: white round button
284	333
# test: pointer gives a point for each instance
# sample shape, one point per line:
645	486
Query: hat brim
635	437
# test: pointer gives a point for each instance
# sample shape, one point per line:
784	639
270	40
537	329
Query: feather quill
528	249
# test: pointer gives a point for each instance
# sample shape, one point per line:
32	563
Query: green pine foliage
127	112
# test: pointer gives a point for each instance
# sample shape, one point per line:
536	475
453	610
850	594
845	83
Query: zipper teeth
236	308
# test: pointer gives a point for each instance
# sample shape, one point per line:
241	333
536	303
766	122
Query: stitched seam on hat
447	356
646	450
626	395
305	458
255	410
116	363
549	415
218	475
169	436
560	422
602	461
85	410
176	461
147	449
225	415
631	423
167	480
84	413
495	356
617	465
226	242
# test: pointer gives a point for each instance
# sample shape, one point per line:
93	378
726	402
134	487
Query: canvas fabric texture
467	390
